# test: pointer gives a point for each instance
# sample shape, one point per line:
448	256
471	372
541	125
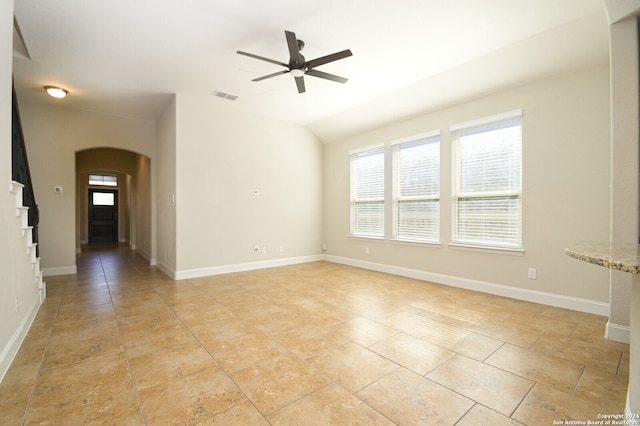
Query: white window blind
103	180
488	184
367	193
416	166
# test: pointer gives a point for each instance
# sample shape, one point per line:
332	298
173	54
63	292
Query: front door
103	215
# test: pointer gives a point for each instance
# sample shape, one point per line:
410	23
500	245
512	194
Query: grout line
113	268
620	363
575	386
466	412
35	381
524	398
124	349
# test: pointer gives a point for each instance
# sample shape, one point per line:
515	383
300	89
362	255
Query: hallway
317	343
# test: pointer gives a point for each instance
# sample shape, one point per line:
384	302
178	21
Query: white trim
550	299
152	261
366	237
632	417
617	332
416	242
487	249
241	267
167	270
13	345
486	120
366	148
60	270
416	138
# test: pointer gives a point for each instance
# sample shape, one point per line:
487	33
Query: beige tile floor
319	343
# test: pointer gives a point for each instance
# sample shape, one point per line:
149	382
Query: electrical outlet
264	250
366	250
17	303
281	249
532	273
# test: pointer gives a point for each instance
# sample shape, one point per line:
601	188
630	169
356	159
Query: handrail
20	168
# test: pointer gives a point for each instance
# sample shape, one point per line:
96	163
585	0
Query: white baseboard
152	260
167	270
617	332
13	345
241	267
550	299
632	417
60	270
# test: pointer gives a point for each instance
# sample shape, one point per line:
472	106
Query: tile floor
319	343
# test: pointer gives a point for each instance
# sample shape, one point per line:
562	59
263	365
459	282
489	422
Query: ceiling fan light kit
298	67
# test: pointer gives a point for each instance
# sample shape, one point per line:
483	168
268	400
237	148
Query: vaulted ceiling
126	57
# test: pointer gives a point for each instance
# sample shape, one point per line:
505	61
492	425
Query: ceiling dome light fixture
56	92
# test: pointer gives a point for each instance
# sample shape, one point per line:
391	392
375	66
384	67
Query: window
487	182
103	180
103	199
416	168
367	193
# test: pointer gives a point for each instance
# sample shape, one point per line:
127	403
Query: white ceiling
126	57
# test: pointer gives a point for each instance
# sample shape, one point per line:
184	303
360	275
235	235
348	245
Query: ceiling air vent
224	95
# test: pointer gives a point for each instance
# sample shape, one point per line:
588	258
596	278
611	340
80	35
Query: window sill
488	249
365	237
410	242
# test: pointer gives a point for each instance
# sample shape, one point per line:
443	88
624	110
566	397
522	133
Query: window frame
515	244
432	137
103	180
354	201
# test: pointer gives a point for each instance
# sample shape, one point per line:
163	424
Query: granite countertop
622	257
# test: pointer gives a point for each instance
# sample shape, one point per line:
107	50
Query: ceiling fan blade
326	76
300	84
262	58
294	52
275	74
329	58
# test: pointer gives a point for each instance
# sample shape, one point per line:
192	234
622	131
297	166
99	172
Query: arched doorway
129	178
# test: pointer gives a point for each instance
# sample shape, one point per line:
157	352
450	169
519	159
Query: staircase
26	230
22	187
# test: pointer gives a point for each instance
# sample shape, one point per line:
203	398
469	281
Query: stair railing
20	169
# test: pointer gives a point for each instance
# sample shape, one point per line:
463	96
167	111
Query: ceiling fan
297	65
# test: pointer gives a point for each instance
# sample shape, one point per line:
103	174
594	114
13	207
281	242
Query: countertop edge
620	257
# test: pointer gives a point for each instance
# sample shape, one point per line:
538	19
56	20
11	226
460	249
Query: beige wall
565	190
143	232
53	135
222	157
166	188
14	282
8	322
624	147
